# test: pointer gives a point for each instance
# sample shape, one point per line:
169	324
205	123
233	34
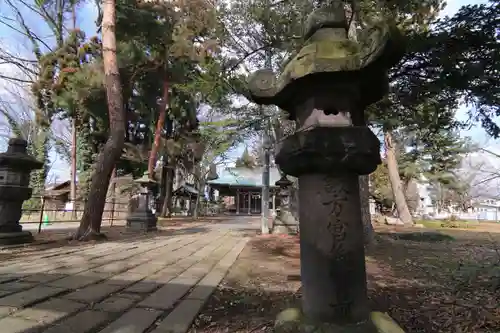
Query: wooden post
237	201
41	215
249	202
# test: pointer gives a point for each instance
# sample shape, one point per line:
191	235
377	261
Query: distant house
57	195
486	209
242	189
425	206
483	209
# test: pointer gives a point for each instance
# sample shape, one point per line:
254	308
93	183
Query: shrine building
241	189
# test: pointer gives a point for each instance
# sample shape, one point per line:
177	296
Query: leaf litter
448	286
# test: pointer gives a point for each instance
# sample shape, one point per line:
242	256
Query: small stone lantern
325	89
142	218
285	222
15	168
212	175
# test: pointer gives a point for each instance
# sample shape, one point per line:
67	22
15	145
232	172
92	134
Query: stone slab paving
153	284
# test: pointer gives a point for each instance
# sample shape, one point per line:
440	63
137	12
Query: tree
380	188
53	14
395	181
457	59
364	195
90	224
218	138
245	160
187	35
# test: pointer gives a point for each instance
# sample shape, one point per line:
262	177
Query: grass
446	224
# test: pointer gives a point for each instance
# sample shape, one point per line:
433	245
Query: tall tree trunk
163	188
200	188
364	195
90	225
160	124
397	187
167	200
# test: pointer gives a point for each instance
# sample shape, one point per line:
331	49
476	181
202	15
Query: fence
43	211
49	212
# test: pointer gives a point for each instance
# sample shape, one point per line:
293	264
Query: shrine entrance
249	203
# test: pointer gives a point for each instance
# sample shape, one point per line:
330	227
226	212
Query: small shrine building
241	189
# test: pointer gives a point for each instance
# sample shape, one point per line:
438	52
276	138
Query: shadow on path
109	306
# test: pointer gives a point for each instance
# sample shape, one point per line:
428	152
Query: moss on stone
292	320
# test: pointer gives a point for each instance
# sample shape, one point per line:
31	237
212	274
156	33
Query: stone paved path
147	285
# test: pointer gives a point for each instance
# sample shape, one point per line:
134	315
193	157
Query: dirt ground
448	281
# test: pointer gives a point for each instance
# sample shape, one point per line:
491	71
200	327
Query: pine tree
245	160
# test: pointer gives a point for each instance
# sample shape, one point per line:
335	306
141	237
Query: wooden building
241	189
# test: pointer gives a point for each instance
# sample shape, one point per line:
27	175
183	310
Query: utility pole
266	146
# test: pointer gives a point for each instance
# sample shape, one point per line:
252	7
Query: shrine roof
245	177
186	189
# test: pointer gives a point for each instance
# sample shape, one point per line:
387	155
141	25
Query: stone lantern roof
328	56
16	157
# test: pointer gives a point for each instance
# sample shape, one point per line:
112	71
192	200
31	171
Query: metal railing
49	212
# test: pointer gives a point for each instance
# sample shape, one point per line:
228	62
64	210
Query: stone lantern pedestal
15	168
285	222
142	218
325	88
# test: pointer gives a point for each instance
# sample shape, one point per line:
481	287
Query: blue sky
87	14
20	45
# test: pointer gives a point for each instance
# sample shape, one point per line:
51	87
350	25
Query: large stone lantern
325	89
15	168
142	218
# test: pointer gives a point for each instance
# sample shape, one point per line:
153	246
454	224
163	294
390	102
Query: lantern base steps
285	224
142	221
292	320
18	237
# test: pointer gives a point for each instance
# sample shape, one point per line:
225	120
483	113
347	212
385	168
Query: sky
87	14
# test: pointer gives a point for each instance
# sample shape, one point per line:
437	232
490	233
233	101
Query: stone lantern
142	218
285	222
212	175
15	168
325	89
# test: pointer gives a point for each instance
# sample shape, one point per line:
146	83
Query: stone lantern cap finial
17	145
16	157
329	16
329	57
283	182
145	180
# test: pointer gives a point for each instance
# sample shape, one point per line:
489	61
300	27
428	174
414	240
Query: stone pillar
332	252
325	88
331	229
15	168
